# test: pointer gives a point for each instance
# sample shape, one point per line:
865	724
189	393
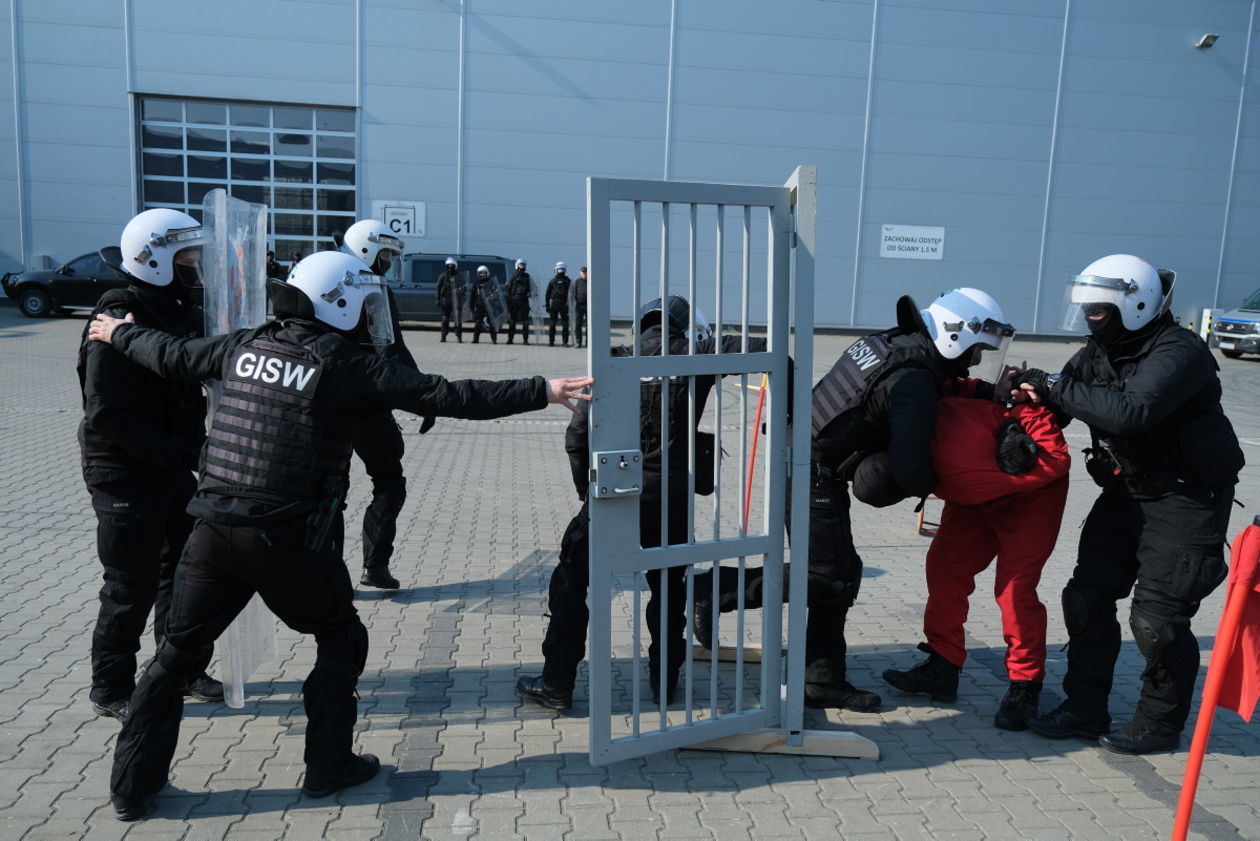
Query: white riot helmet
450	261
1138	291
520	264
368	238
483	273
963	322
345	295
560	267
162	244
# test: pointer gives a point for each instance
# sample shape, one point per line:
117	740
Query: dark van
413	279
1238	331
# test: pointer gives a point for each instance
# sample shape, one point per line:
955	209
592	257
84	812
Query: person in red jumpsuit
1003	475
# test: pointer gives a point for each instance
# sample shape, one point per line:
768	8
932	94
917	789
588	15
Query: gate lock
617	473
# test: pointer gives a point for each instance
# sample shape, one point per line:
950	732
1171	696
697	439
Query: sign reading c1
405	218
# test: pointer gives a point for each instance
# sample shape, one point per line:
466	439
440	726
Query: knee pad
1081	604
827	589
1152	634
343	654
177	662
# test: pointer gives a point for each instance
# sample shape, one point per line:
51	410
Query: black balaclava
1110	328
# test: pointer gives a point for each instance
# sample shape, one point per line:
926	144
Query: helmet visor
188	267
376	324
993	340
1086	294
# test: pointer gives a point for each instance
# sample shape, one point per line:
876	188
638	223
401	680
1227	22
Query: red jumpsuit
990	513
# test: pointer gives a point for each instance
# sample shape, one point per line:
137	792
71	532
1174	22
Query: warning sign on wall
912	242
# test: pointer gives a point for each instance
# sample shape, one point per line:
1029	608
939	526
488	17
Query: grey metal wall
1039	133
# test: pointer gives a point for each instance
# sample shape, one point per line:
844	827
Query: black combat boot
1019	705
378	577
204	688
538	690
840	696
120	709
1062	723
357	769
702	617
935	677
1138	738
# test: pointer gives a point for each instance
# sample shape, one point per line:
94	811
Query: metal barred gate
706	242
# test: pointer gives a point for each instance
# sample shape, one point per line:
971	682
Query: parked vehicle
413	279
1238	331
75	286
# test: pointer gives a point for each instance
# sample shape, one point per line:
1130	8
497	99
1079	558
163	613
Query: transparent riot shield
494	303
537	310
234	271
461	288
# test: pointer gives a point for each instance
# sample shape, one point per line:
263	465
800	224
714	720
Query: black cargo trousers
564	645
378	442
835	577
141	528
222	568
1169	552
518	313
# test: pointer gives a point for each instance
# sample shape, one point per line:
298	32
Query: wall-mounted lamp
1206	41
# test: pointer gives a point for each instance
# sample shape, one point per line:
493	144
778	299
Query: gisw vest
266	436
857	370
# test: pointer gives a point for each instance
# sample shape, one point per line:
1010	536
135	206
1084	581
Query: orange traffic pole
752	456
1226	639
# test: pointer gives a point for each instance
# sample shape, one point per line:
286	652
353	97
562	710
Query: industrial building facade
1002	144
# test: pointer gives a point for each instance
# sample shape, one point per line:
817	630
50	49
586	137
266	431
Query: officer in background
558	304
564	645
1167	460
480	308
274	269
520	288
879	397
141	438
448	300
378	442
579	307
274	477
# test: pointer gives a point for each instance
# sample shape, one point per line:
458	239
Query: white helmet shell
151	240
367	238
337	285
1129	283
560	267
962	318
450	261
483	272
520	264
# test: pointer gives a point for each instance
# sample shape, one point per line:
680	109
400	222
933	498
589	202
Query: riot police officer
378	442
879	397
141	437
1167	460
274	476
520	288
565	642
558	305
579	307
449	300
482	311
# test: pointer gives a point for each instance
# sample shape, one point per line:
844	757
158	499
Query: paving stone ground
478	536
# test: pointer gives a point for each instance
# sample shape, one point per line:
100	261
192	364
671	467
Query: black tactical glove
1016	450
426	423
1034	377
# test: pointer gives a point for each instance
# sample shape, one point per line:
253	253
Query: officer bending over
275	473
1167	459
879	397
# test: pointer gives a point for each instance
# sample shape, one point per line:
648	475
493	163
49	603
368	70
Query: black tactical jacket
1153	403
134	422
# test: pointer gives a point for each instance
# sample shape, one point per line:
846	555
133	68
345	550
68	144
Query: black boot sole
368	772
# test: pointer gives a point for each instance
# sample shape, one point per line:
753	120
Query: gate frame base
838	743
